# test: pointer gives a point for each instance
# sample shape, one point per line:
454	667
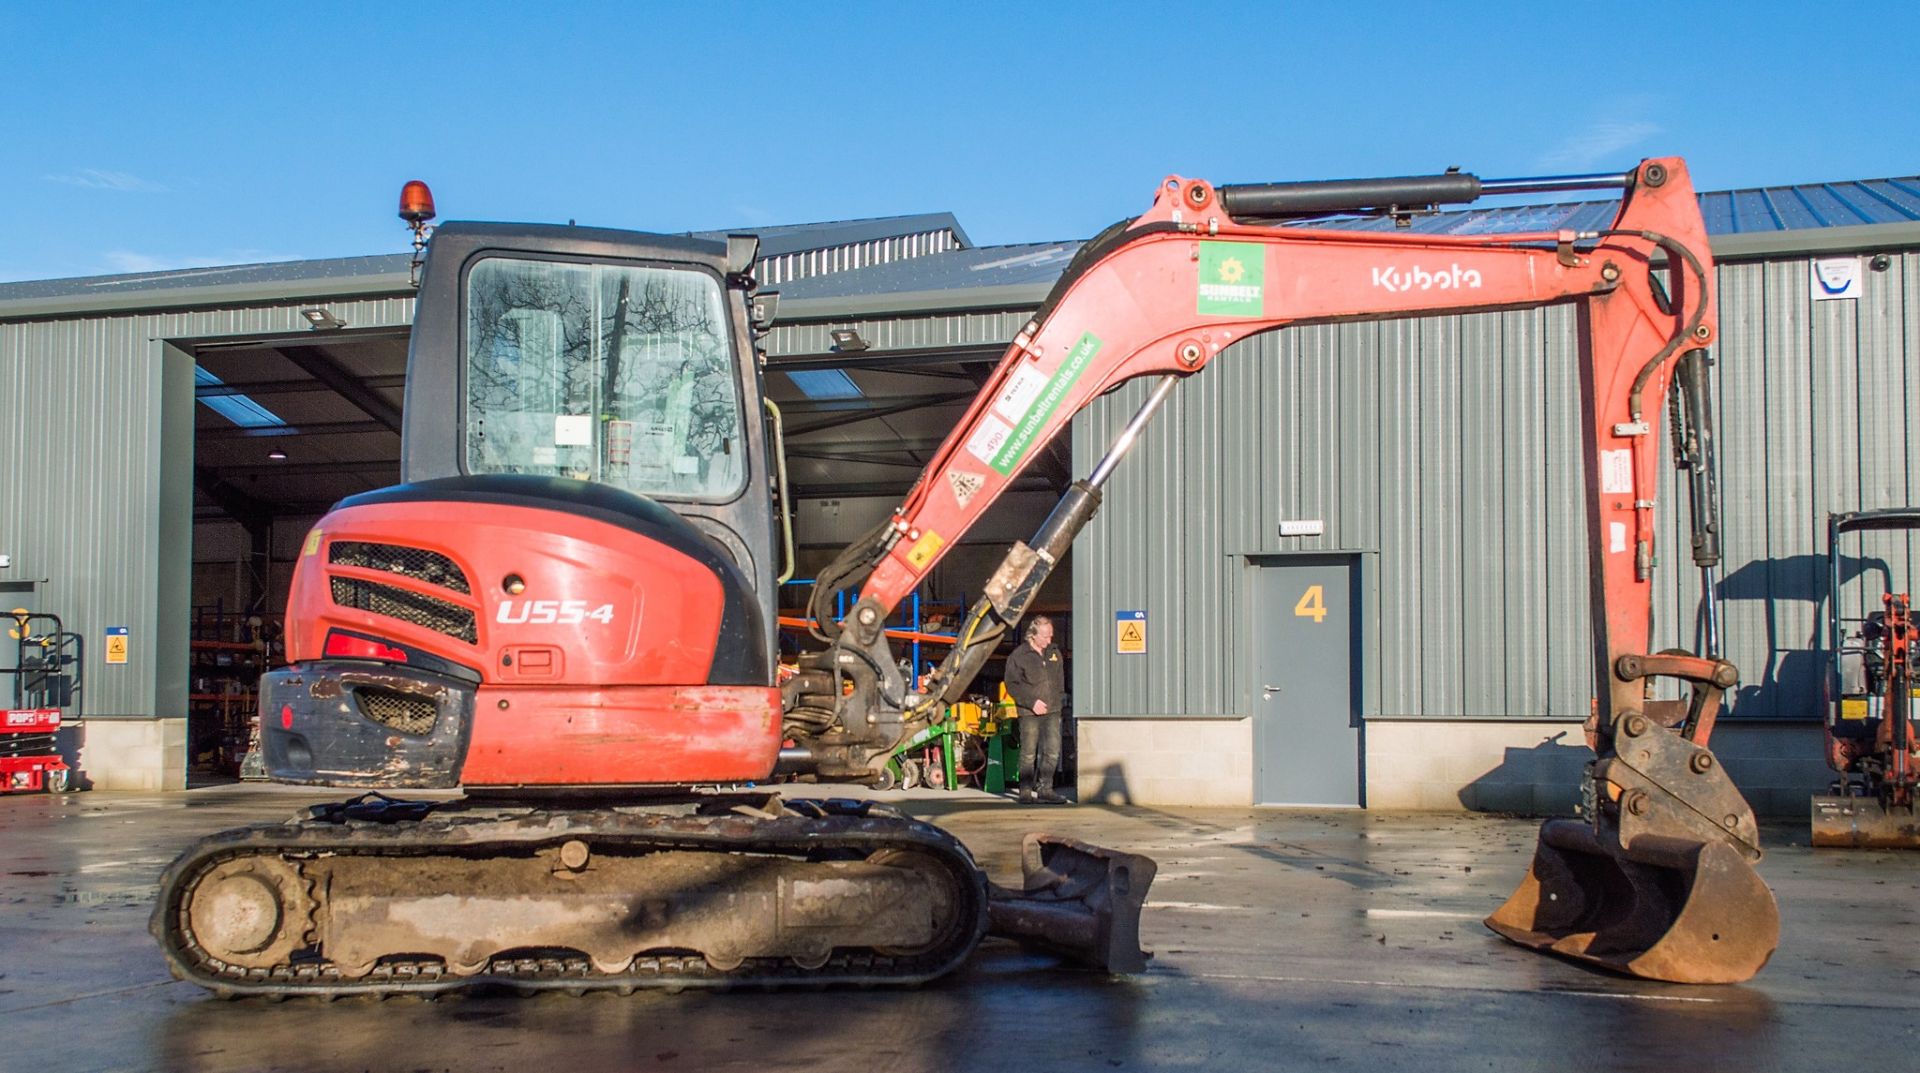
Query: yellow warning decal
1853	709
312	546
925	549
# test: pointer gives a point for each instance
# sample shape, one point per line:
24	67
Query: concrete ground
1284	939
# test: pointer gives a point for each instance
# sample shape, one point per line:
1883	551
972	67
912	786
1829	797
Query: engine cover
518	631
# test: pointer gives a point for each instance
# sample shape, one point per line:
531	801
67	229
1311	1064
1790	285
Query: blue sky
139	137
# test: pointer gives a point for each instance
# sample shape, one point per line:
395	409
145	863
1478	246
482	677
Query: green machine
972	743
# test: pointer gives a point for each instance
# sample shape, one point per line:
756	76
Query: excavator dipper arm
1205	268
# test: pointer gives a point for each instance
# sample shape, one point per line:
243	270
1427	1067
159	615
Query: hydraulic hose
852	563
1679	250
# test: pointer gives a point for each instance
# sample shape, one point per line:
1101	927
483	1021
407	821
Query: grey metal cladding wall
81	426
804	263
1428	442
1814	418
901	333
1447	449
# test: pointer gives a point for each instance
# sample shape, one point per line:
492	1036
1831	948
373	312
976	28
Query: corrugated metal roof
389	272
1761	210
788	238
977	266
986	276
1007	276
330	269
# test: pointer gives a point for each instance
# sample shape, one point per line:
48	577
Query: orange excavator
568	610
1870	685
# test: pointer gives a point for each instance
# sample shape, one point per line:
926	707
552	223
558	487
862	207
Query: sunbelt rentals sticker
1233	279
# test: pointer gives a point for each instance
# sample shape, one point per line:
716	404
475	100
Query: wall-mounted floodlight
322	320
848	341
277	455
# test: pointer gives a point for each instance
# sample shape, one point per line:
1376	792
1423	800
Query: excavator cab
1870	682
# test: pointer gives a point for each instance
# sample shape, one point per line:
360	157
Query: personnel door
1306	724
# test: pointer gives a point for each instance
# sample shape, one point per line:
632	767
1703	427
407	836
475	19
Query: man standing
1036	679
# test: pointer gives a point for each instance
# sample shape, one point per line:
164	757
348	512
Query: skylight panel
825	384
238	409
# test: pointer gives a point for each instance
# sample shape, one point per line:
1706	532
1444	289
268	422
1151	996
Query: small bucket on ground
1079	900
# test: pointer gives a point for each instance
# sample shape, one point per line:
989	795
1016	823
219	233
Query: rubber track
802	829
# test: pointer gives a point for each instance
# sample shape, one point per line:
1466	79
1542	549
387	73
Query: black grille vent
417	563
24	745
427	611
404	712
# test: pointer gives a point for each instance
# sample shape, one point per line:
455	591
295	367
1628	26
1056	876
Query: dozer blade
1661	908
1079	900
1863	823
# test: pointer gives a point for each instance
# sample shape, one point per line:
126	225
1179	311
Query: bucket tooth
1864	823
1079	900
1660	907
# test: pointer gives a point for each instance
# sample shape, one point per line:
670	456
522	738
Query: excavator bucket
1078	900
1659	907
1864	823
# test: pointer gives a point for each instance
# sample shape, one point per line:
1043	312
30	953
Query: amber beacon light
416	208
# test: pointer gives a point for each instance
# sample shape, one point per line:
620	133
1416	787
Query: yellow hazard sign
116	644
1130	632
925	549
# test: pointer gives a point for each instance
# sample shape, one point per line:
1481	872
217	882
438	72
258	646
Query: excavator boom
1207	267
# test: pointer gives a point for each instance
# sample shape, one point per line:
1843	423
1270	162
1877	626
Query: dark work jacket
1033	676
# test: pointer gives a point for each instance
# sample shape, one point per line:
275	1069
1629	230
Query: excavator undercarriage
377	896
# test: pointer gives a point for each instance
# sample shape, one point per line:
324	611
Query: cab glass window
617	374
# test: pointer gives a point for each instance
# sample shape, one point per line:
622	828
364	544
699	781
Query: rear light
351	646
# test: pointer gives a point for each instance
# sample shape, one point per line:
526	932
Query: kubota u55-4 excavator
568	609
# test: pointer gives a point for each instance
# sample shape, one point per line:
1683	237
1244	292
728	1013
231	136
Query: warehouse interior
284	427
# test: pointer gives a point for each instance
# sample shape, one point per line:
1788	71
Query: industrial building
179	432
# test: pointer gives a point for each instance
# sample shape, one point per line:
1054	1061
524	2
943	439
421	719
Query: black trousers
1039	751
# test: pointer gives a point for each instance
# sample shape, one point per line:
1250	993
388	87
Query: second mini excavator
568	610
1870	679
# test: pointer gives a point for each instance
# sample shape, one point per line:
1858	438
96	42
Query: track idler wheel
252	912
1659	907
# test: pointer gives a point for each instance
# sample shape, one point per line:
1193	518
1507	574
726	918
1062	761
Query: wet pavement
1284	940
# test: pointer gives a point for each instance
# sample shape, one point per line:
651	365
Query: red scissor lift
42	685
28	759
